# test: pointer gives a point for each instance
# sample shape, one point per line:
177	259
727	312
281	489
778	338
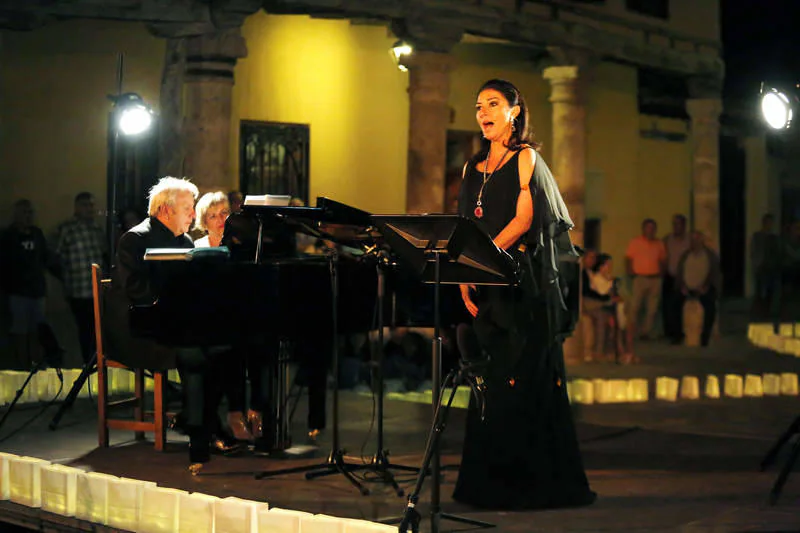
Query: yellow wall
612	136
53	87
666	173
476	64
53	118
339	79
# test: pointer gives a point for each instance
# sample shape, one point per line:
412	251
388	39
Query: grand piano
264	288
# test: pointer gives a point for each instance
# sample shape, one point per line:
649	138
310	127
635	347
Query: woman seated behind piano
212	211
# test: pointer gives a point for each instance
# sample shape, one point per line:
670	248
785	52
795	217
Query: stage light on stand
134	117
777	108
129	117
400	52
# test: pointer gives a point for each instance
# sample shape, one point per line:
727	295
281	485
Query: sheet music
267	200
185	254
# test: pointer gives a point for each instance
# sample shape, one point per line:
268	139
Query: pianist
138	282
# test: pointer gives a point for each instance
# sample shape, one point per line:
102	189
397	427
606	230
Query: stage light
135	120
400	52
133	116
777	109
129	118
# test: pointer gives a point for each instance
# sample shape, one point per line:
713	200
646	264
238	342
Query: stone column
568	161
210	60
429	117
569	140
170	162
704	114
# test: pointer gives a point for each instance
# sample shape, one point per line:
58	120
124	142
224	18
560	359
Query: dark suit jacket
135	281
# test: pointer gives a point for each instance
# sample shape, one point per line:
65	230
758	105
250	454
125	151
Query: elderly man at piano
139	282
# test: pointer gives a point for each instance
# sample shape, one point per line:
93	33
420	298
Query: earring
514	124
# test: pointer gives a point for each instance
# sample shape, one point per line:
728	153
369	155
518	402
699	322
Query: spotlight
133	116
400	52
130	117
777	108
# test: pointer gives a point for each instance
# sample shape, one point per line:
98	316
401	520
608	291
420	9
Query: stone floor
656	467
689	466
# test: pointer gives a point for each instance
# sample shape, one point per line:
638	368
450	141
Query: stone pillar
569	140
704	114
210	60
568	161
170	162
429	117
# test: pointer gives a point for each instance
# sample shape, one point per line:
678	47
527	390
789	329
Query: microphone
473	363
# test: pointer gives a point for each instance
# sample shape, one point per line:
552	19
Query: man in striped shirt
81	242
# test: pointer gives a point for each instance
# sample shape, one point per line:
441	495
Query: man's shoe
224	444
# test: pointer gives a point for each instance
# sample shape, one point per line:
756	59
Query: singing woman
525	454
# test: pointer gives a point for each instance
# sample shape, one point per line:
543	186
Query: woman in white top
212	212
603	283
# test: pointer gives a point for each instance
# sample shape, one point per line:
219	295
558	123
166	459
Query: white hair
206	202
166	191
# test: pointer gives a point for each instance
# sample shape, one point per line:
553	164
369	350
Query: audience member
645	261
81	242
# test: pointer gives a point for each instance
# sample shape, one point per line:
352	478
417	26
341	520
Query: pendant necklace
479	204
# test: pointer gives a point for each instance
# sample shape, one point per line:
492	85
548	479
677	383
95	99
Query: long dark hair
520	135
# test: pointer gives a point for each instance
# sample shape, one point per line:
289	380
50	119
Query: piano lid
326	210
329	220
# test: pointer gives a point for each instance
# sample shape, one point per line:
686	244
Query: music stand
443	249
380	461
335	462
783	476
779	301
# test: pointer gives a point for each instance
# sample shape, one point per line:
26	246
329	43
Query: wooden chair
139	425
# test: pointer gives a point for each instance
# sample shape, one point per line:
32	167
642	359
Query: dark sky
761	40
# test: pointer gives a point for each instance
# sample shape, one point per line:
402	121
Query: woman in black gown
524	454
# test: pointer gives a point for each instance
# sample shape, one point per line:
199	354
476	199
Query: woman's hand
468	303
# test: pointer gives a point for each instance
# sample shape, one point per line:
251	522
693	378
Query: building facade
303	96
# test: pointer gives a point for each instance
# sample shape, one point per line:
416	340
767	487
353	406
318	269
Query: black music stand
380	462
443	249
794	453
779	301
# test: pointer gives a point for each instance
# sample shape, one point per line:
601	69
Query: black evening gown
524	454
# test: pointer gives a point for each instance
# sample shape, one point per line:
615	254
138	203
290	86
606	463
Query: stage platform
659	466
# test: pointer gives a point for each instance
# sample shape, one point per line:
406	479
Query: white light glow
134	120
402	49
776	109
